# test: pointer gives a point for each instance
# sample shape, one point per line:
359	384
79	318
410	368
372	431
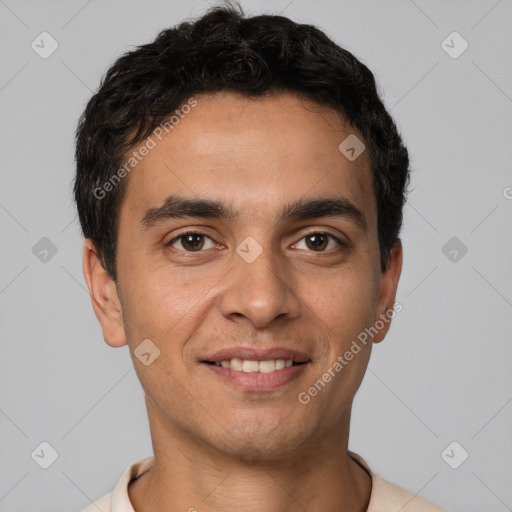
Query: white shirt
385	496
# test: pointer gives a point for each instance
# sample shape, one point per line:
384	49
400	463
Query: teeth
280	363
267	366
235	363
248	366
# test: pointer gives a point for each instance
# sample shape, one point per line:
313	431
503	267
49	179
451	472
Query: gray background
443	373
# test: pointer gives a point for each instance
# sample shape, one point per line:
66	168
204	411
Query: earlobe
104	297
388	286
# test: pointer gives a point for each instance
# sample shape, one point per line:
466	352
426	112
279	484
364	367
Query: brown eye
318	242
190	242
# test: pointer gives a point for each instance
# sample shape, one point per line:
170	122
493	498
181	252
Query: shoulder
390	497
118	500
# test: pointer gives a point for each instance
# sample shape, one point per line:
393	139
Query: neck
191	477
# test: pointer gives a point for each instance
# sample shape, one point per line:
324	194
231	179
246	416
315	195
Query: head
229	132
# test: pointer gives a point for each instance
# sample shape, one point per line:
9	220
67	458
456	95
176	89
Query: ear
388	286
104	297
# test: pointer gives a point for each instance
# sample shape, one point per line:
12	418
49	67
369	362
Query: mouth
250	366
251	370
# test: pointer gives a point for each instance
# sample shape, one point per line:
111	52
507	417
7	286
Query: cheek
344	301
344	307
166	307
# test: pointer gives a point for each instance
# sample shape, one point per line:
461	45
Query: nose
259	291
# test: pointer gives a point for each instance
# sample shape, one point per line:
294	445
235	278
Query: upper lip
253	354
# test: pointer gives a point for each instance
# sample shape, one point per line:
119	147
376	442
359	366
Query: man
240	187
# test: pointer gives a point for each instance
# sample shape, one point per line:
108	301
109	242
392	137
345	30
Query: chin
258	444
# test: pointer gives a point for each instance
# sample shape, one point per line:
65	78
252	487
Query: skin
216	447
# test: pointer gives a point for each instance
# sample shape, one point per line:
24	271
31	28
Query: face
252	277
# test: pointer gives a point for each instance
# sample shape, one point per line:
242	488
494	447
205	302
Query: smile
256	376
248	365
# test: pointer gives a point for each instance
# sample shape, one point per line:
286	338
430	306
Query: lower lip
257	381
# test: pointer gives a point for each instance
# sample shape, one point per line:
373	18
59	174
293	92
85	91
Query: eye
318	241
191	241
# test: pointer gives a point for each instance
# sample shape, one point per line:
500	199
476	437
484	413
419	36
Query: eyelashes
190	239
189	234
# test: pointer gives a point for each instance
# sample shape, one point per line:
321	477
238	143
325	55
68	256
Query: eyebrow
176	207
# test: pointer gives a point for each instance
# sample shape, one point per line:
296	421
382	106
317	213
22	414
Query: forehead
256	154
